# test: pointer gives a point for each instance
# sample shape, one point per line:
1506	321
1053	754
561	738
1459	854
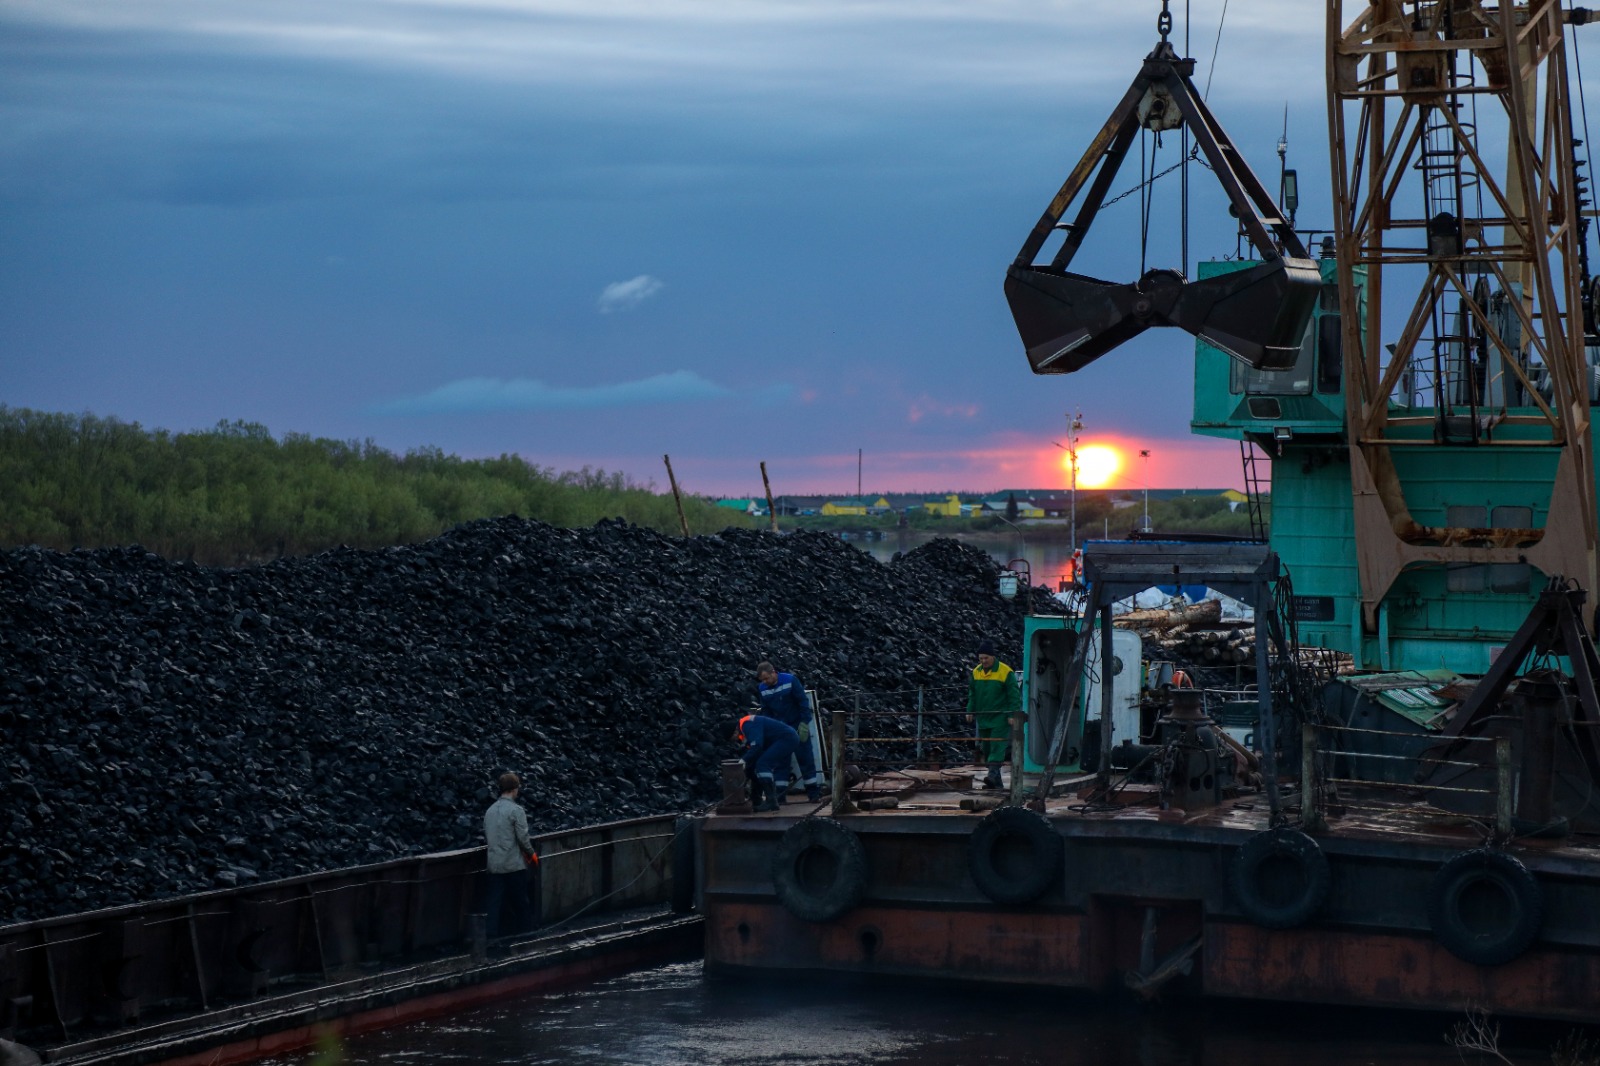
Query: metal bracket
1553	626
1258	314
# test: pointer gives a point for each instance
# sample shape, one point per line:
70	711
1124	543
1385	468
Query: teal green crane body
1433	617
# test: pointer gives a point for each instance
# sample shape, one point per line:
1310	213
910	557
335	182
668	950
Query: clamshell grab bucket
1258	315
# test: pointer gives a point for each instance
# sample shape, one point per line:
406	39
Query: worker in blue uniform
783	697
768	746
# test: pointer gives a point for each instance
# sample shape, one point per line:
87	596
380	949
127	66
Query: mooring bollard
735	796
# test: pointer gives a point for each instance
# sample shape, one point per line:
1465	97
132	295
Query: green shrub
234	494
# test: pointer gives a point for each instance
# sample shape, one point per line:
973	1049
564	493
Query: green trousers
994	737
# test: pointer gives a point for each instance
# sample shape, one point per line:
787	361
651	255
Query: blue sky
594	233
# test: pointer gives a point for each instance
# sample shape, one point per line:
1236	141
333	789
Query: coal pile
168	728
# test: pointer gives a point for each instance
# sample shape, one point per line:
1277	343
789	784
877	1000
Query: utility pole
1144	453
858	473
772	511
1074	424
677	497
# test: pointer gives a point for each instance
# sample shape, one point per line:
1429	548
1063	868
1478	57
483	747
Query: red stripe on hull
1095	950
430	1006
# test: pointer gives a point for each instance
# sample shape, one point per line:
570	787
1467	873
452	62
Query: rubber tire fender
1015	855
1280	878
1485	907
819	870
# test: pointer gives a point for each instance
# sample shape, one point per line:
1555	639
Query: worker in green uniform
994	697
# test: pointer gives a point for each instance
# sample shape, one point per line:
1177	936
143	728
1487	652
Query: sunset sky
593	233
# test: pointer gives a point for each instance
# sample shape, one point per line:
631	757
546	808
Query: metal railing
857	741
151	961
1313	781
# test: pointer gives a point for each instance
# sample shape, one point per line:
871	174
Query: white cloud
856	47
626	295
528	394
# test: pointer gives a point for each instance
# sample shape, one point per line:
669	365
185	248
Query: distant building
748	506
855	506
949	507
792	506
1025	508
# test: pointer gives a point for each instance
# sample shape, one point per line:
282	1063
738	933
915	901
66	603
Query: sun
1098	465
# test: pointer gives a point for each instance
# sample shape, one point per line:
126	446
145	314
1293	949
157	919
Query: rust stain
1334	966
1031	947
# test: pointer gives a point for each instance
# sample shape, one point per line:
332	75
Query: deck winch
1258	315
1190	764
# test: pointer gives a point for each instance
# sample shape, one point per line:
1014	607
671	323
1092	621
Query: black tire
1280	878
684	841
820	870
1485	907
1015	855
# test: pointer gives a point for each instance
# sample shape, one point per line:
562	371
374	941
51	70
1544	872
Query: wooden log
1202	613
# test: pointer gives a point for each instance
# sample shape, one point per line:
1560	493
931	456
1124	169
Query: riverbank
1097	520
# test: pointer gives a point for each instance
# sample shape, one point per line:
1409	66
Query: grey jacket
505	826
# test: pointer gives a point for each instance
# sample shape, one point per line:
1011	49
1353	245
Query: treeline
235	494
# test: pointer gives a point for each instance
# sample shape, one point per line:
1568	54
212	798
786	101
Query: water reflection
674	1016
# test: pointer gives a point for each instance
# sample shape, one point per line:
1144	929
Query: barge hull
1147	904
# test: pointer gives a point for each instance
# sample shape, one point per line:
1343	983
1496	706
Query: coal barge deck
1149	900
1339	852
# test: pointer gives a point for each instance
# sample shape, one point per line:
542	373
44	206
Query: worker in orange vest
768	746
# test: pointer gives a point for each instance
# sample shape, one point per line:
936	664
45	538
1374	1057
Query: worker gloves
804	732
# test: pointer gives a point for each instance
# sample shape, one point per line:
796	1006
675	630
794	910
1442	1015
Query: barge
274	968
1141	899
1408	816
1185	863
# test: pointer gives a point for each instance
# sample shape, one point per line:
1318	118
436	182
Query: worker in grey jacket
505	827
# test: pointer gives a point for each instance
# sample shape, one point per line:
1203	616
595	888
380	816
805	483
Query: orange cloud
1010	461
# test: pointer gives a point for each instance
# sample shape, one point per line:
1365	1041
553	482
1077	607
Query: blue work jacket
786	700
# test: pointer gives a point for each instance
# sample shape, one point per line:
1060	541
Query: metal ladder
1249	458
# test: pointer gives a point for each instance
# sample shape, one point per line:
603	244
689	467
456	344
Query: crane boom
1485	270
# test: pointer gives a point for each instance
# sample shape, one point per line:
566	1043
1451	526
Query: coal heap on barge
168	728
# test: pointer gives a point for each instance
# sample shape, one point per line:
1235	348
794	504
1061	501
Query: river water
676	1016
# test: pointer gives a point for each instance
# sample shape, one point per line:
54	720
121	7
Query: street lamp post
1074	424
1021	540
1144	453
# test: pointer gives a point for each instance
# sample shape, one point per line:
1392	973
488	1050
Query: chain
1164	21
1194	153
